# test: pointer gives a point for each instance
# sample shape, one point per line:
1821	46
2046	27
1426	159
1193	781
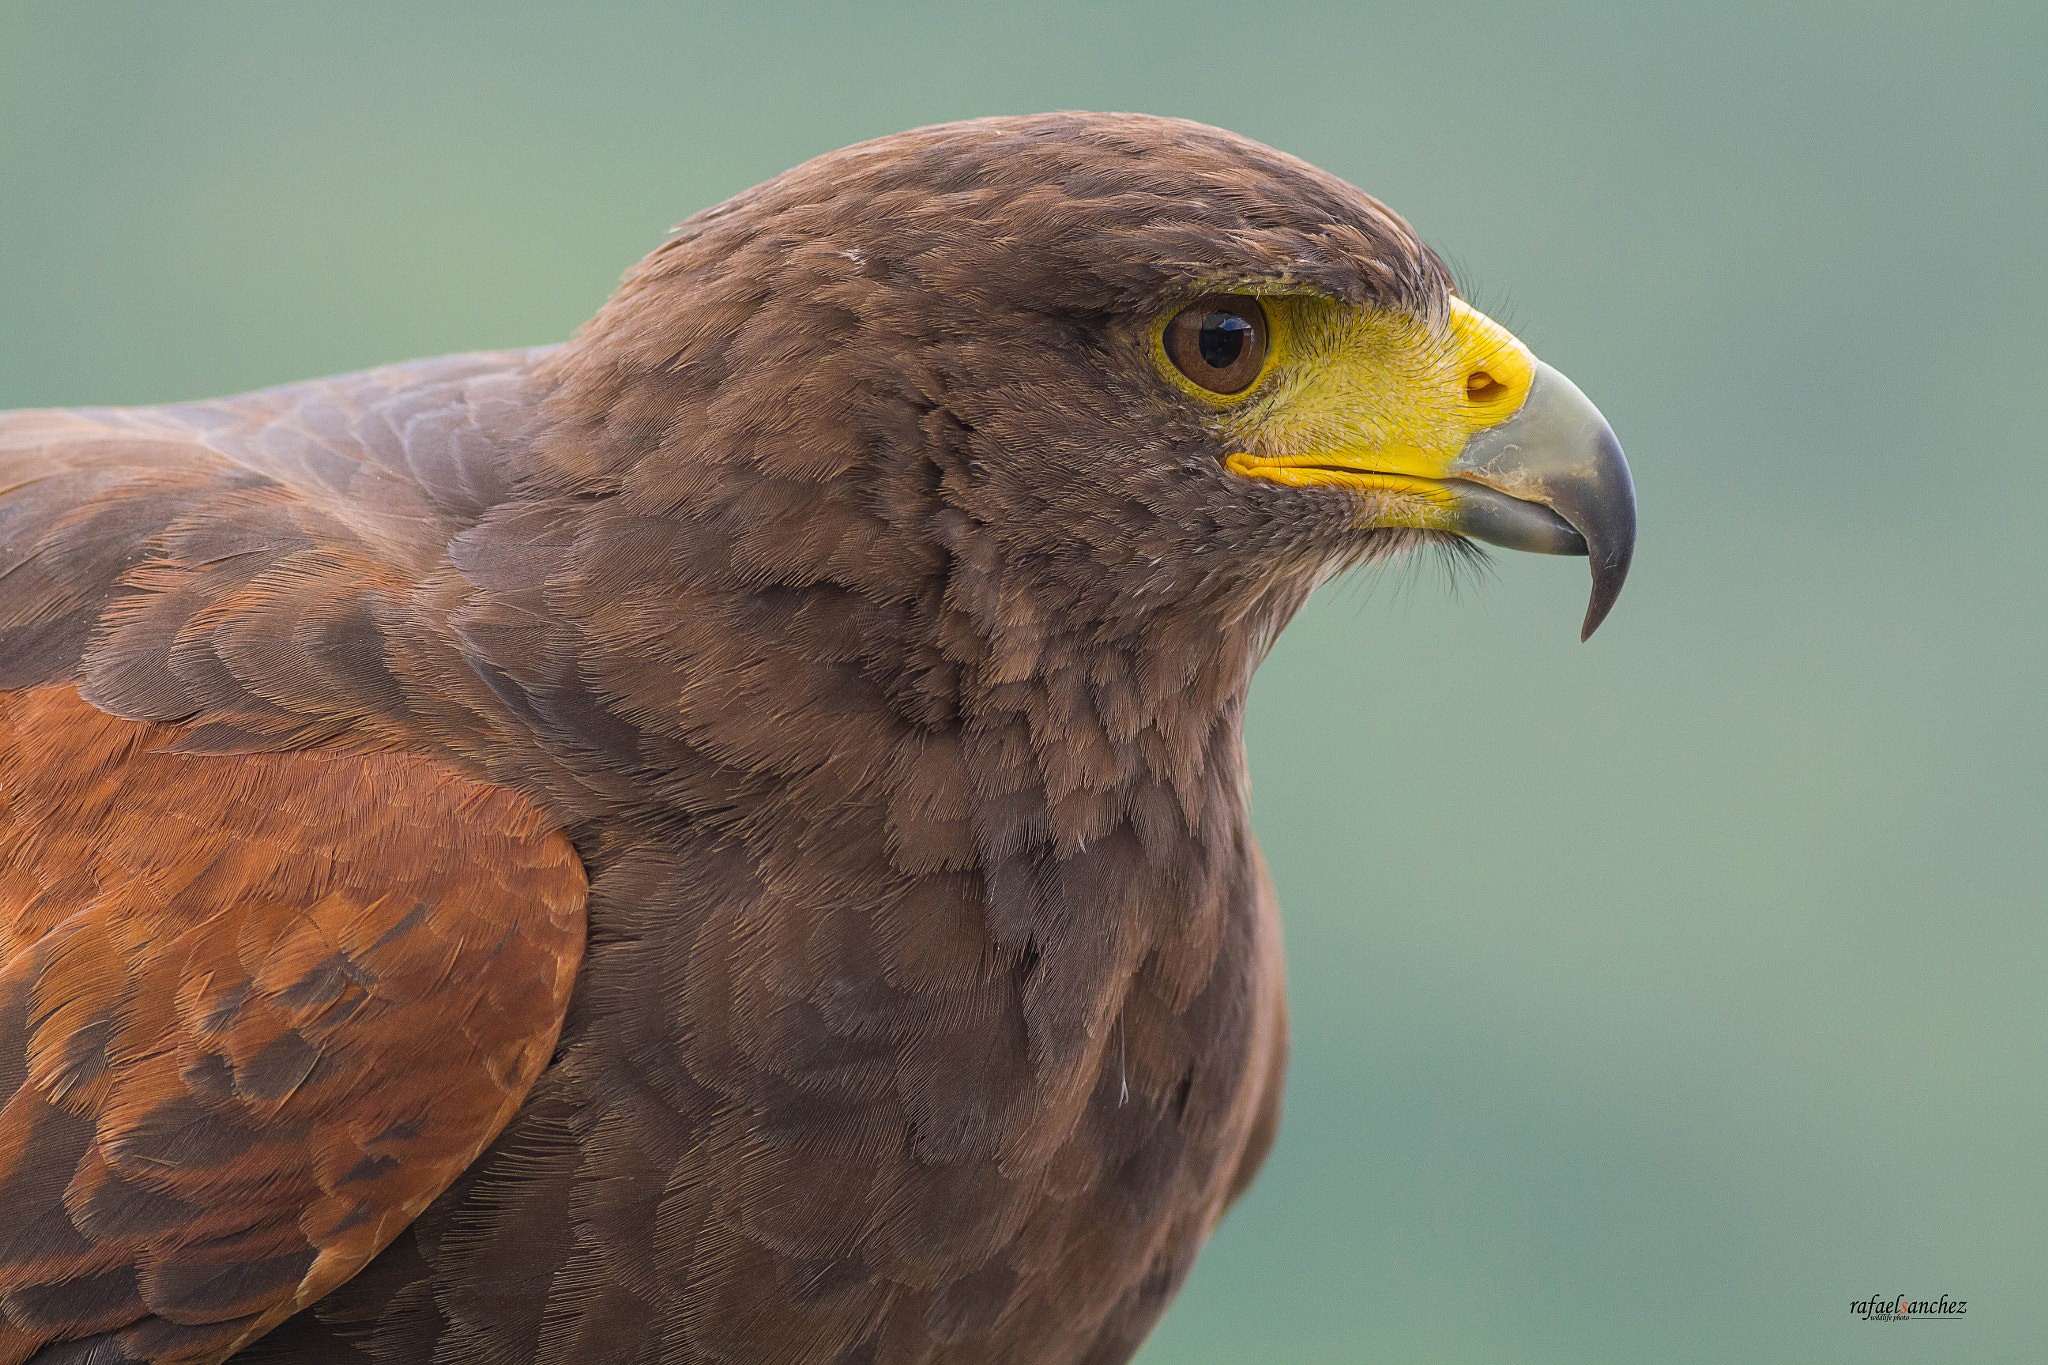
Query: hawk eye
1219	342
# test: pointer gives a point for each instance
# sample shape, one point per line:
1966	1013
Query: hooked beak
1550	479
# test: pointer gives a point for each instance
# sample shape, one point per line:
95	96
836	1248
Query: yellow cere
1372	400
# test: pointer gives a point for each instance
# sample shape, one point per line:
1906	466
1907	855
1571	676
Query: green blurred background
1656	998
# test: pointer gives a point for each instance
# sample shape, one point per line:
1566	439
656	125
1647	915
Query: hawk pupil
1222	338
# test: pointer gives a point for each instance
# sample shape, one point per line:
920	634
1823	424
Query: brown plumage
871	617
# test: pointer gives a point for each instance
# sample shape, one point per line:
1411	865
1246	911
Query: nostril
1482	387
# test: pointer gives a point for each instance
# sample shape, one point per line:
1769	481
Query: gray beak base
1552	479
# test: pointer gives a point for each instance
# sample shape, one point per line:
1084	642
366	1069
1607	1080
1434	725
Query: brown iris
1219	342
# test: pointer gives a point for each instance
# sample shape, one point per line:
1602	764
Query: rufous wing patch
256	1012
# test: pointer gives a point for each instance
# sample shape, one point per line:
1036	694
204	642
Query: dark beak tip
1609	526
1610	571
1606	588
